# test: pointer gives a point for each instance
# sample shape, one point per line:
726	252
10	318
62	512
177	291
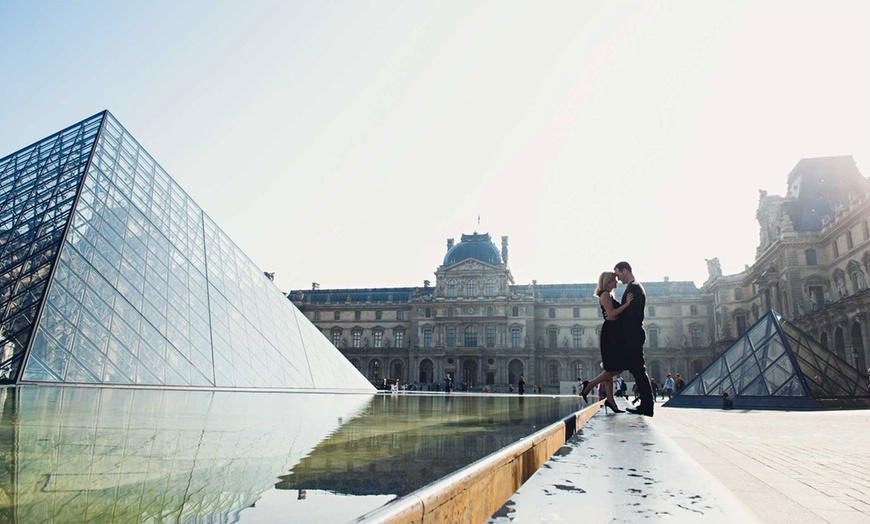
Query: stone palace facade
480	326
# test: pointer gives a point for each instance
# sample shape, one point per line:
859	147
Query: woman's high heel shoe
583	392
607	404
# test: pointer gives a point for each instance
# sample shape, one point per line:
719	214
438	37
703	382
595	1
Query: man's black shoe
642	410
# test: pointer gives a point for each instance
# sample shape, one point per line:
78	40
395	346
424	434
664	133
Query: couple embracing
622	338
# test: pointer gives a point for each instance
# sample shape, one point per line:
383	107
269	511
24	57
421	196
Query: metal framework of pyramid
111	274
775	365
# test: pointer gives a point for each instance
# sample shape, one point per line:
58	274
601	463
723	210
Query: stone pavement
696	465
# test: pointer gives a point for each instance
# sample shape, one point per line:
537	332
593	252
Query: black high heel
583	392
612	407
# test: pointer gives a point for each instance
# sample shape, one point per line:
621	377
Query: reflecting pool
91	454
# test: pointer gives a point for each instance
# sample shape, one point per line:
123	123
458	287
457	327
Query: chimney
666	279
426	283
315	286
504	249
449	243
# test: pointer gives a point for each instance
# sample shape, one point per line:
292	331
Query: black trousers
637	368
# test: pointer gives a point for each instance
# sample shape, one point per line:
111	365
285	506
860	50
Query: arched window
470	288
375	370
397	370
471	337
427	371
489	288
451	288
552	372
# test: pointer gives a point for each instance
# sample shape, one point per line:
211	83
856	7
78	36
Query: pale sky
343	142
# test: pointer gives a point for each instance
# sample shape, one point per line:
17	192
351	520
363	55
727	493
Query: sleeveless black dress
613	354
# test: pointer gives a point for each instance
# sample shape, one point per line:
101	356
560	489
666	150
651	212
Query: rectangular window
490	337
400	339
576	312
378	335
515	337
400	315
357	337
653	338
427	338
738	294
337	315
578	339
378	315
316	316
696	336
849	243
470	338
357	315
741	324
553	336
811	257
651	311
836	249
817	297
336	338
451	337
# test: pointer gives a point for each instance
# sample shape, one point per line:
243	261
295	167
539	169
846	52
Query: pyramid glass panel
142	286
38	185
776	366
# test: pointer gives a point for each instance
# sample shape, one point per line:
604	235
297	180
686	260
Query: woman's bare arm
606	301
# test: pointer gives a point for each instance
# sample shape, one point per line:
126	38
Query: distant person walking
448	383
613	354
521	385
668	387
631	327
678	383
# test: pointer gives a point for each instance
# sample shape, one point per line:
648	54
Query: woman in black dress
613	358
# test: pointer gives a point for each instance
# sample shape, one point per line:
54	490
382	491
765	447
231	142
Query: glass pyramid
111	274
775	365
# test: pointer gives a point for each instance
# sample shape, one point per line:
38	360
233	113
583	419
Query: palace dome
476	246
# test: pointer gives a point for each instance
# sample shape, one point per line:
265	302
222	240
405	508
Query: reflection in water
86	454
123	455
403	442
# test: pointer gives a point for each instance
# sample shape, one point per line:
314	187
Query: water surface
90	454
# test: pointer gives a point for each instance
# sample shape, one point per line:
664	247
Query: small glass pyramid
775	365
111	274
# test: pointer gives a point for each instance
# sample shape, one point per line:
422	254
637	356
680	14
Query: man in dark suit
631	324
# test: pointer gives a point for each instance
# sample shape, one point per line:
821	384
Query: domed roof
478	247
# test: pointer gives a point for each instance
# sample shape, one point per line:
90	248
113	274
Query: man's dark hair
623	266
